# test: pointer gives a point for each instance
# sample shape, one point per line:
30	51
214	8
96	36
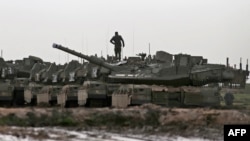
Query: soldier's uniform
117	40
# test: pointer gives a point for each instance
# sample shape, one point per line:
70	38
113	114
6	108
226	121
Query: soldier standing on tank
117	40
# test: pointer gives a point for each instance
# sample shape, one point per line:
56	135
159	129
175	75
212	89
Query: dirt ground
187	122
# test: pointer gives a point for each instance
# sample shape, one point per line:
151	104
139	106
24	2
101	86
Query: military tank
183	76
15	77
183	70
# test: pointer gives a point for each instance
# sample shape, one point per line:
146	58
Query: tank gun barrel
91	59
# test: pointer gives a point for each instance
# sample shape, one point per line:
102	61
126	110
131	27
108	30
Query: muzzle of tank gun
227	75
54	45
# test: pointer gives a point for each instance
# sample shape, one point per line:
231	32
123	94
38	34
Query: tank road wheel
53	103
6	103
71	103
96	102
18	97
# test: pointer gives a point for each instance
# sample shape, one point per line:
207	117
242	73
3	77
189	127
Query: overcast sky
215	29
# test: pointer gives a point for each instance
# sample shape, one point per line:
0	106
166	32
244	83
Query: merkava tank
79	91
183	70
6	89
8	80
33	87
15	75
25	88
48	82
55	84
61	83
53	79
41	91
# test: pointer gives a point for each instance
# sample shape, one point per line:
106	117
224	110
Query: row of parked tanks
163	79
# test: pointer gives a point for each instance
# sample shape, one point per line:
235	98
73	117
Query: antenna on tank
240	64
247	66
149	49
1	53
227	62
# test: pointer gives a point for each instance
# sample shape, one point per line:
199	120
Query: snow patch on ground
55	134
